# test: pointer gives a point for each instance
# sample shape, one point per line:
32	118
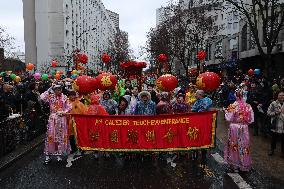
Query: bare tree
7	42
181	35
120	49
264	17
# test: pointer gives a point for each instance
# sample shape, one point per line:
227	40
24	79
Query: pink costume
237	150
57	140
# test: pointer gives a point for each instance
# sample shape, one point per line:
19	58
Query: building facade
54	29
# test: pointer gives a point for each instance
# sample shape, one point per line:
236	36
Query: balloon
201	55
2	74
54	63
250	72
44	77
13	76
49	76
74	76
83	58
57	76
83	84
257	72
17	79
53	72
162	58
208	81
167	82
106	81
106	58
30	66
37	76
74	72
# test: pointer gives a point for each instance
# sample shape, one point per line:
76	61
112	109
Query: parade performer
237	150
202	104
190	95
145	106
123	105
77	108
56	142
134	99
179	106
164	106
109	104
95	108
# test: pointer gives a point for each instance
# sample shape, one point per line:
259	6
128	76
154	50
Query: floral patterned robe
237	149
57	139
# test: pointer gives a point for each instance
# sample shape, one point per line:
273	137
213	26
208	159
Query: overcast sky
136	18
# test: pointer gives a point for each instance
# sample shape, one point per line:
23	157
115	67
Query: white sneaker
59	159
47	160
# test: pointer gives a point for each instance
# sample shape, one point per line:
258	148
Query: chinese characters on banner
181	132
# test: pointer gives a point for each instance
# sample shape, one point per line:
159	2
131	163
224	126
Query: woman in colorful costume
57	140
237	149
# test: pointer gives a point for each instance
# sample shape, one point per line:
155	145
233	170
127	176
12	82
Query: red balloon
208	81
251	72
106	81
53	63
162	58
201	55
84	84
83	58
167	82
106	58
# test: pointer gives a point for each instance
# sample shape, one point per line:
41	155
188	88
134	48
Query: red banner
181	132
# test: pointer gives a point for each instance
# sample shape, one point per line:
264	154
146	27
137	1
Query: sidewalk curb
9	159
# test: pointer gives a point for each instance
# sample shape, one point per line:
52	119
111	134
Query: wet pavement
91	171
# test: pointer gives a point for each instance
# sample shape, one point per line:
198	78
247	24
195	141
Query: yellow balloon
17	79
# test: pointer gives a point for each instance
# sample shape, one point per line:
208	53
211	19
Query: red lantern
94	84
208	81
162	58
106	81
84	84
167	82
30	66
201	55
83	58
106	58
53	63
251	72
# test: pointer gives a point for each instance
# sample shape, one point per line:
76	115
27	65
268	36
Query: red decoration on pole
53	63
106	58
201	55
83	58
251	72
106	81
162	58
167	82
208	81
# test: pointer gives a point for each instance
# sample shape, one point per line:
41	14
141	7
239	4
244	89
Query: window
235	25
229	26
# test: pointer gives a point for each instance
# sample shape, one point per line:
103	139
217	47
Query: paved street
90	171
